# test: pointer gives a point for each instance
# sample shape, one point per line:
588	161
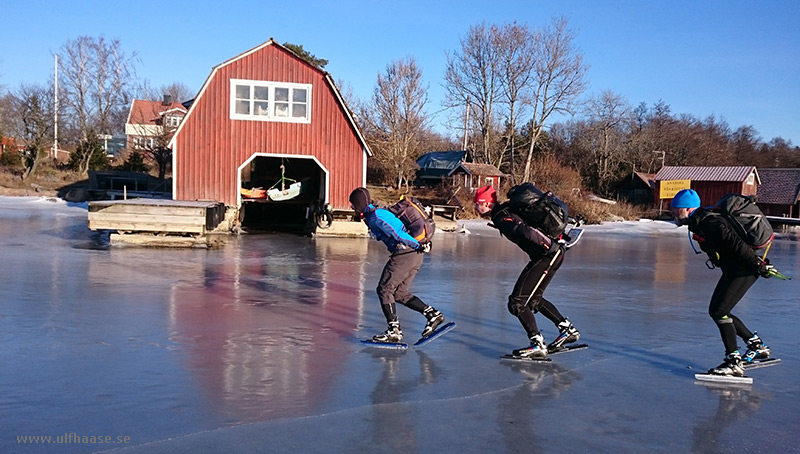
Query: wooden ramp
156	216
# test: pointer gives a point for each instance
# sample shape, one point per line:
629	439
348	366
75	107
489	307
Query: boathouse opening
280	193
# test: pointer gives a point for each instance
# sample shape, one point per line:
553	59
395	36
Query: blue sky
736	60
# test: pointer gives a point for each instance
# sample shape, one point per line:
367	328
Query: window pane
281	94
261	108
243	107
281	109
299	111
243	91
261	93
299	95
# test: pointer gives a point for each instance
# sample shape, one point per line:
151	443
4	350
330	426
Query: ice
255	347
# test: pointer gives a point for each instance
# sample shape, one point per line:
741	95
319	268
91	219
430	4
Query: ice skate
755	350
731	366
393	334
567	334
537	349
435	318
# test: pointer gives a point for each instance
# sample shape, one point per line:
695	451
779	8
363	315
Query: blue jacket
386	227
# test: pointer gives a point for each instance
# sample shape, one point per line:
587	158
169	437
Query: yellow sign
669	188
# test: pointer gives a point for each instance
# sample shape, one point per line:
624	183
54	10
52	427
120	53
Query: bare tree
396	119
177	91
606	137
33	111
559	79
6	113
514	43
96	77
472	81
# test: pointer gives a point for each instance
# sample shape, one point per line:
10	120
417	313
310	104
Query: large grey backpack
747	219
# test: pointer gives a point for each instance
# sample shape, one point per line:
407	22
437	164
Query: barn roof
779	186
439	163
149	112
647	178
327	76
733	173
486	170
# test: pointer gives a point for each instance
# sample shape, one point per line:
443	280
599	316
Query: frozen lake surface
255	347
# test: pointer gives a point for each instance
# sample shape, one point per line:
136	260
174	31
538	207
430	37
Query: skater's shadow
394	427
669	363
735	403
523	418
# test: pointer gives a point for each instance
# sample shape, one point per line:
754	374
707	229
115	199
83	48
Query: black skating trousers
732	286
521	295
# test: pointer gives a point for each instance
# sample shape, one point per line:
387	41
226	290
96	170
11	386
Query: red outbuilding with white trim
263	118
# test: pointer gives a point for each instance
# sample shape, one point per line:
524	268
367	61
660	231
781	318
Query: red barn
711	183
261	116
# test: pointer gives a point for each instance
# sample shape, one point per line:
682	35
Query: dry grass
596	212
47	181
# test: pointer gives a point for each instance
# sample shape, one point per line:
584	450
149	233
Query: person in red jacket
740	267
527	297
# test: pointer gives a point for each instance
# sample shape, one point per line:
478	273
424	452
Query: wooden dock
166	218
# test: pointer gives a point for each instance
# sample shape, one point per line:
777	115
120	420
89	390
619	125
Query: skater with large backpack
731	233
407	253
534	221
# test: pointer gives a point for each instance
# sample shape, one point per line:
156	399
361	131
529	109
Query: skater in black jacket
740	269
527	297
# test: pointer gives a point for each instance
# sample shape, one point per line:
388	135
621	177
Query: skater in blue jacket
403	265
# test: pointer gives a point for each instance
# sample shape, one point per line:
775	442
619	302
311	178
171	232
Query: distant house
449	166
473	176
8	144
779	192
637	188
711	183
150	124
435	167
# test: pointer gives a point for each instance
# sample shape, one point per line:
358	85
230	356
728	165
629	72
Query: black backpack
417	218
746	218
540	210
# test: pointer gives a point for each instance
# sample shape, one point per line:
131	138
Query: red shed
258	115
711	183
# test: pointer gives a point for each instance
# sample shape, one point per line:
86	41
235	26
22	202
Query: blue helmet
686	198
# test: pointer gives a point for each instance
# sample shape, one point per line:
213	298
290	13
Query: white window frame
143	143
172	121
271	102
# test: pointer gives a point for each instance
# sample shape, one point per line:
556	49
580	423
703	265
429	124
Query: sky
735	60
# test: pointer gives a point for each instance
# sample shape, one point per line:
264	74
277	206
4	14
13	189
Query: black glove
424	248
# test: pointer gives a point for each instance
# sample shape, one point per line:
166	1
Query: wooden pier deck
166	218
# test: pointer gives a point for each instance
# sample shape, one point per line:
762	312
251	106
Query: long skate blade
392	345
520	359
724	379
436	333
574	235
759	363
568	348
